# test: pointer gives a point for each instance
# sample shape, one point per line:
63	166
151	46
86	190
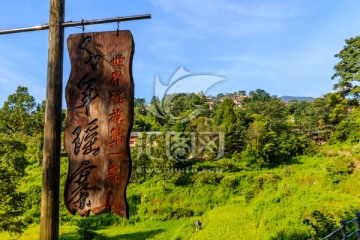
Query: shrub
182	213
267	178
321	223
207	177
227	165
248	195
292	235
87	227
229	182
180	179
134	201
339	168
32	204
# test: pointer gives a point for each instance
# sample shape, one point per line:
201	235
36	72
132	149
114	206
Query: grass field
166	230
269	204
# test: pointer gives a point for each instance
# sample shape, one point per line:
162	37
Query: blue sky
284	47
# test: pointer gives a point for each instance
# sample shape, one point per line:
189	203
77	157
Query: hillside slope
270	204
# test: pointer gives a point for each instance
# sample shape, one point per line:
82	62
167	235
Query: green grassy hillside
285	202
288	171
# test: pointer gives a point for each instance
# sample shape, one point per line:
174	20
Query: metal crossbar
77	23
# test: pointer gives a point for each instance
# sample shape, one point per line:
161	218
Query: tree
337	106
263	107
242	92
304	117
15	115
12	154
157	116
233	122
347	71
258	95
254	136
220	95
226	119
225	113
140	159
38	118
12	165
141	120
140	105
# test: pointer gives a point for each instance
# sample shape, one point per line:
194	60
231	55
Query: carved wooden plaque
100	101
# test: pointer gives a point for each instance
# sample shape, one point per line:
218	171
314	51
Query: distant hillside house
211	101
237	99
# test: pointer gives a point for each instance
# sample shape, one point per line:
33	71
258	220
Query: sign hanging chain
82	26
117	30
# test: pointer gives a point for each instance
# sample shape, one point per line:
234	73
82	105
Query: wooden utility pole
49	226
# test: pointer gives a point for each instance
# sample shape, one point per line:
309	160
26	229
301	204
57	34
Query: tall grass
279	203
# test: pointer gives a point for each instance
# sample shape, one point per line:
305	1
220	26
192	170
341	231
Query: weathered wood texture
49	225
100	101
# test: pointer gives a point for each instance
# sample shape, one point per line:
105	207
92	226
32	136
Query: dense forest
292	164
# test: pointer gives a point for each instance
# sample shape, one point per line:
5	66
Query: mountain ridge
301	98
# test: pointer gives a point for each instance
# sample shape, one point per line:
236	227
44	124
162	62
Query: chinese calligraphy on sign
99	97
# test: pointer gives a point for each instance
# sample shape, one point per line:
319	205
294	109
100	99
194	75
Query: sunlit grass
33	232
263	205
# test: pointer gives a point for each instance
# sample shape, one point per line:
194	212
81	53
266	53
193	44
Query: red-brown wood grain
100	100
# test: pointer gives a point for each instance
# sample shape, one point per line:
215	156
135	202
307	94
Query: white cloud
228	15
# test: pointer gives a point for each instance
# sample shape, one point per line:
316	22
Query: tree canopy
347	71
15	115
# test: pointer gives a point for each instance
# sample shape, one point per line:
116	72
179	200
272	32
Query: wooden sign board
100	101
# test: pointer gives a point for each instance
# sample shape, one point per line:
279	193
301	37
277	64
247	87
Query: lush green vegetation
289	170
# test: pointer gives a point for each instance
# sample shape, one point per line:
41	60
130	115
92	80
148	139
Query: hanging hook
82	26
118	26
